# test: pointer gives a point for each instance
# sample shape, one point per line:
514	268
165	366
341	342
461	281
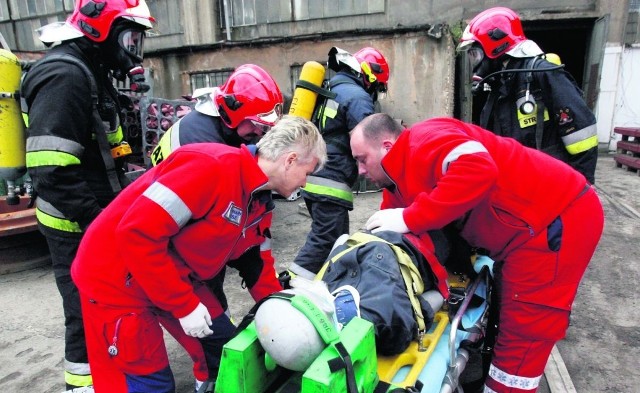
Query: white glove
196	323
387	220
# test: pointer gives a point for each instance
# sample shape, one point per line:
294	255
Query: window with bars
209	78
634	5
253	12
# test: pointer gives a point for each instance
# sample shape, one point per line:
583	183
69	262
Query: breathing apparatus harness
527	103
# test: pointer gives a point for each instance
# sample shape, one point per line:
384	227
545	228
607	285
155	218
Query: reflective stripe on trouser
329	222
77	374
537	288
327	187
63	251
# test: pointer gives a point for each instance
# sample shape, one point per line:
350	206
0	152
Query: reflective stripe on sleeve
52	150
469	147
513	381
170	202
322	186
582	140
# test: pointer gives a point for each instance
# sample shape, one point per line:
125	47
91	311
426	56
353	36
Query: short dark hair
376	125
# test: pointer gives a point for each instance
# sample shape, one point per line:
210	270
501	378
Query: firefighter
176	226
242	110
74	134
257	106
535	215
540	104
359	79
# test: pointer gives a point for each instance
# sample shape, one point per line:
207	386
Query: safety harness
410	274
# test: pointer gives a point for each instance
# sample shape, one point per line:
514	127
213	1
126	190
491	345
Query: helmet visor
270	118
132	41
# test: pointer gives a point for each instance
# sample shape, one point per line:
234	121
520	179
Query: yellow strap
410	274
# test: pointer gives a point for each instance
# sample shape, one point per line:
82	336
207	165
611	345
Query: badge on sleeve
564	116
233	214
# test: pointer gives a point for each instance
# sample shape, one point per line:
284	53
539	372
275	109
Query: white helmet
287	334
339	56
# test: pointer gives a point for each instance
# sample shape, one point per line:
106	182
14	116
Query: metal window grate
209	78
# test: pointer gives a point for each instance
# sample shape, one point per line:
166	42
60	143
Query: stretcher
433	364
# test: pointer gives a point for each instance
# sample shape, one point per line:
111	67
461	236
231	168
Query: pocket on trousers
133	338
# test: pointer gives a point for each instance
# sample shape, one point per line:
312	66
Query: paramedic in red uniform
200	209
535	215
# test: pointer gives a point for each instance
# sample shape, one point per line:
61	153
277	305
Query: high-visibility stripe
77	380
582	140
175	136
77	368
170	202
330	111
50	158
54	143
116	136
469	147
51	217
488	390
513	381
60	224
322	186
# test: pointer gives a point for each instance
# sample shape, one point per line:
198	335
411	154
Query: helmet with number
250	93
374	67
497	30
94	19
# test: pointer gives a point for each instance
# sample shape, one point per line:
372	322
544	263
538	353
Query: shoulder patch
233	214
564	116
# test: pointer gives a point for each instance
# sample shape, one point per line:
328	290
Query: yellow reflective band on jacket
60	224
52	150
332	188
55	158
582	140
77	380
330	111
169	142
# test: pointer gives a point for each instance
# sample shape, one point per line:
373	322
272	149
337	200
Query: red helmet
374	66
249	93
497	30
94	18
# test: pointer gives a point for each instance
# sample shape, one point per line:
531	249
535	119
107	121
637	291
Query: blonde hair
293	133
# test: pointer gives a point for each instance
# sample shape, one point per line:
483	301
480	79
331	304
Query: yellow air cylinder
12	136
304	99
553	58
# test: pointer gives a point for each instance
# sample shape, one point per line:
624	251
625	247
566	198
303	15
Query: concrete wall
421	82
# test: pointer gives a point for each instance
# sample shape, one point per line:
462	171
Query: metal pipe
227	20
456	319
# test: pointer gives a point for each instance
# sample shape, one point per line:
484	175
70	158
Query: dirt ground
600	351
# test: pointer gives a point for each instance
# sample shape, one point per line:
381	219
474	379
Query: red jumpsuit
143	259
530	211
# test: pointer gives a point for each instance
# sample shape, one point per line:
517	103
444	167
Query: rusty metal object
22	246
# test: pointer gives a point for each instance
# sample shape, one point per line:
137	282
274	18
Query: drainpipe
227	19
